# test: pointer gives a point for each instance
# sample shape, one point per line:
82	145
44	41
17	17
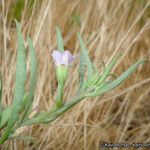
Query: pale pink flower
62	58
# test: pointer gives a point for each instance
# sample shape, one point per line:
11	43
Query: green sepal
62	73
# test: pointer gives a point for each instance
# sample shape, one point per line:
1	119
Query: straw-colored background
107	26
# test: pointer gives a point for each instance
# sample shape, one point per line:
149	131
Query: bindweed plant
16	118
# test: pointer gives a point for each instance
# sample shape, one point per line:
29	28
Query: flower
62	58
62	61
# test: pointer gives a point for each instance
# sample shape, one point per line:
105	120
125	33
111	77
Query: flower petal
67	58
57	57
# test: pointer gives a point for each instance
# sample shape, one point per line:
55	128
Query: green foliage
54	113
81	71
107	87
7	112
92	81
33	68
18	8
16	116
5	116
33	77
19	93
59	40
51	115
107	70
86	57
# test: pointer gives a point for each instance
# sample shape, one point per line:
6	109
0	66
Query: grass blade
51	115
19	85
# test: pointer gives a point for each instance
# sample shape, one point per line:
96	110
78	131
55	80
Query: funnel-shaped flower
62	58
62	61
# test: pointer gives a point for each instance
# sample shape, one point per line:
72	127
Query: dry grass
108	26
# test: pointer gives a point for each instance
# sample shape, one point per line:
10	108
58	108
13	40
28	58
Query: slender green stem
54	113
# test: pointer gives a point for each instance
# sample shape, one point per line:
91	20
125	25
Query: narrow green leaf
19	93
87	59
108	70
92	81
81	72
59	40
7	112
33	68
51	115
33	79
54	113
112	75
33	73
115	83
60	93
5	116
24	102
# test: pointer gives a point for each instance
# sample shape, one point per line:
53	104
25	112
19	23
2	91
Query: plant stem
54	113
59	97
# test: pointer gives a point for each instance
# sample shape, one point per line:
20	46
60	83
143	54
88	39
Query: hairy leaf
20	81
33	74
59	40
5	116
7	112
81	72
54	113
87	59
108	69
92	81
103	89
